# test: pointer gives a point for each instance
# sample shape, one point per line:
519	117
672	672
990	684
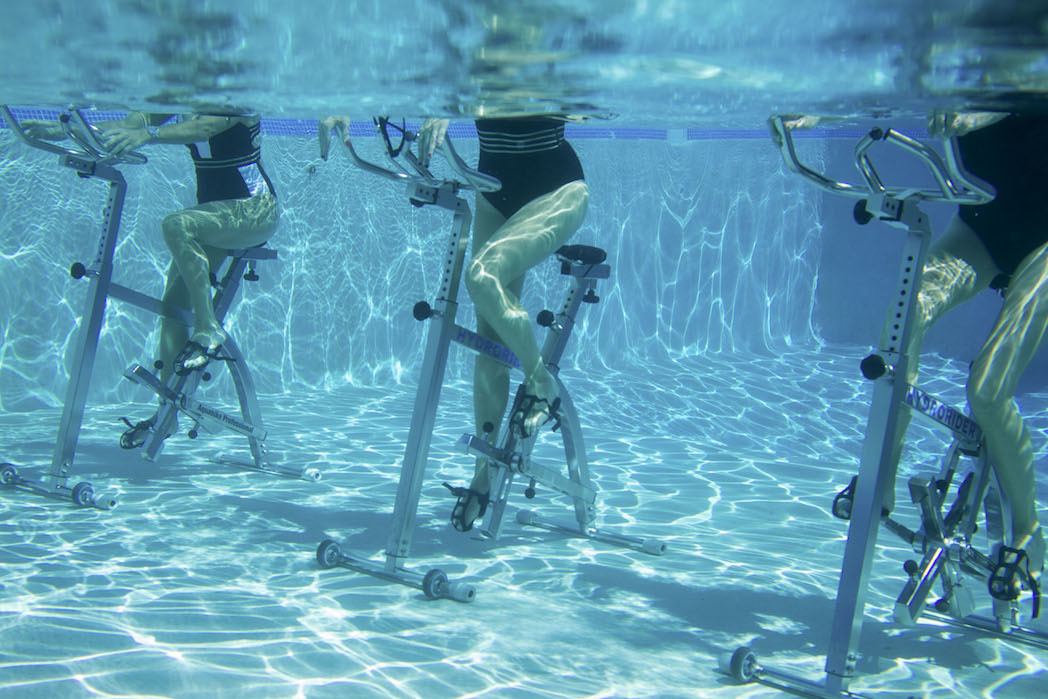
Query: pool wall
714	247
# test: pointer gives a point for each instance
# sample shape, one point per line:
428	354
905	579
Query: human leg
490	395
173	337
525	239
173	333
490	387
218	225
1016	335
503	250
490	378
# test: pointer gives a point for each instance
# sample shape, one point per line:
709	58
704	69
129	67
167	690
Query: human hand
943	124
324	128
801	121
120	139
42	129
789	123
430	137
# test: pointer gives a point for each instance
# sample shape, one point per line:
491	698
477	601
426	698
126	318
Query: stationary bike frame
510	458
945	541
88	159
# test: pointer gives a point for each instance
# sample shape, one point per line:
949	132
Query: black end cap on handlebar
877	133
861	215
545	318
873	367
77	270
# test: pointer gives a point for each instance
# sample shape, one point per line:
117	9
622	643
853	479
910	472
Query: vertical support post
574	447
876	470
427	398
245	388
91	322
238	370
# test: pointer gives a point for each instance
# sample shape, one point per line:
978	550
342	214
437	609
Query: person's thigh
957	268
1017	334
231	223
486	220
534	232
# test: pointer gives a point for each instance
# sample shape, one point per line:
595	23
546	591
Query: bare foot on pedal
201	349
472	502
539	404
136	433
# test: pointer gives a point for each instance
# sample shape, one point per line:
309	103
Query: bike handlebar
79	131
954	184
473	179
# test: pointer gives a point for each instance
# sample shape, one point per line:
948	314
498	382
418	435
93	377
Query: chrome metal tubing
954	185
472	179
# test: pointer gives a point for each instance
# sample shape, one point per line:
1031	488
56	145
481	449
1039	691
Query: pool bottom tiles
202	582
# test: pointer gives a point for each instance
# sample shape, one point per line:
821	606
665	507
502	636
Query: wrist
154	133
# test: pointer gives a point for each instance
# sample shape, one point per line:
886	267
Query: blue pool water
716	380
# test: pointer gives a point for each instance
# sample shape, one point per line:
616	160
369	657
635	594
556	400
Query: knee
577	194
578	191
172	228
480	279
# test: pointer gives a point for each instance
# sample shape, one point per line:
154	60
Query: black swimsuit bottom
529	156
1012	155
218	172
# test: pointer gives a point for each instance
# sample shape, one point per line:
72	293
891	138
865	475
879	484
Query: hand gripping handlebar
954	184
87	138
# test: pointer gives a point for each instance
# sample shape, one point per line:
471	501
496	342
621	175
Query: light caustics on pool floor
202	582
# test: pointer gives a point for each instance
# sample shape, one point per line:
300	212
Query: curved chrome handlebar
954	184
472	179
79	131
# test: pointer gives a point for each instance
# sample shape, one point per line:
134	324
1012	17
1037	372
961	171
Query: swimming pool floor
203	581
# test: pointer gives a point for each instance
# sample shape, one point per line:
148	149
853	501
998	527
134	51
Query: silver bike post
438	341
876	467
99	275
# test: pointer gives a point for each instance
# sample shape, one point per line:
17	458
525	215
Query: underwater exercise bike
90	158
510	457
949	506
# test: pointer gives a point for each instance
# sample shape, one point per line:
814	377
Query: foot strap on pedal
1008	577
